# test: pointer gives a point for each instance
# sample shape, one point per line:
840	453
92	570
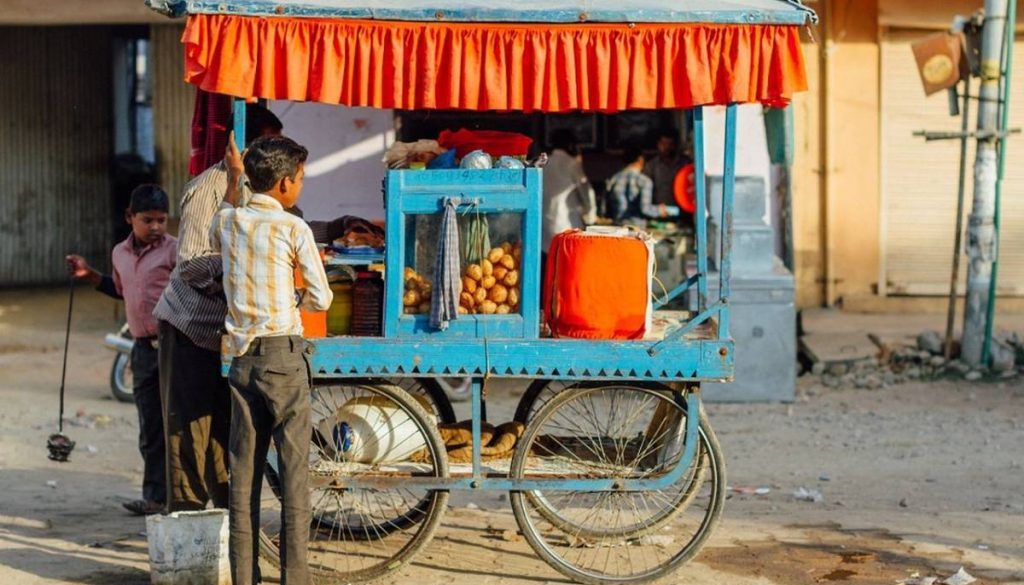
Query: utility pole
981	244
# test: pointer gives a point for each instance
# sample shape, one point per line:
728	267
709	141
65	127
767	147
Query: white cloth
569	201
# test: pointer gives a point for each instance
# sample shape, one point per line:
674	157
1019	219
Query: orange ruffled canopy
492	66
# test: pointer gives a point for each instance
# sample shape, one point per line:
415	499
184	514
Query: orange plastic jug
598	285
314	323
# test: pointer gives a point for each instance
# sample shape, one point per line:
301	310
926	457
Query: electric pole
981	244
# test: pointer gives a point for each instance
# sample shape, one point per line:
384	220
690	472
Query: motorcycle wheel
121	378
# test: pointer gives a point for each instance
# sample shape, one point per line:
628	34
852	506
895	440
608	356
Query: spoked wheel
537	394
617	431
366	430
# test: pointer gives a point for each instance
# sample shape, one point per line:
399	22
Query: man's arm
317	295
649	208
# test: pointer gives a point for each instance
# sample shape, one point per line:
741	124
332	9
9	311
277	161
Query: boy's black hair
258	120
272	158
148	197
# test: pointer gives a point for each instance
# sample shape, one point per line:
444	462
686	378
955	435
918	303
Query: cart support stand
725	238
700	219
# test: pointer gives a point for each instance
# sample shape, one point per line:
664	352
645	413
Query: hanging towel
444	304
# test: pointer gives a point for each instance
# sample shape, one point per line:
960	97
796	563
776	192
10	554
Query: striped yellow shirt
261	246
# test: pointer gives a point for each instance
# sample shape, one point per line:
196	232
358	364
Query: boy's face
291	189
147	226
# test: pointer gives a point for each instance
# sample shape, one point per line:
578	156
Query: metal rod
238	122
725	233
929	136
685	328
64	367
700	219
957	238
1004	119
675	292
477	389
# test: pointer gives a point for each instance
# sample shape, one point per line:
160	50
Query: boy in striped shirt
262	245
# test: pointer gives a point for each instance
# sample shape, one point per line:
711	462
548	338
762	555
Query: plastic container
598	284
370	430
367	305
314	323
339	316
189	548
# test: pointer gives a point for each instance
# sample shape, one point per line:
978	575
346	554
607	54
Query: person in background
142	267
269	375
631	192
568	196
662	169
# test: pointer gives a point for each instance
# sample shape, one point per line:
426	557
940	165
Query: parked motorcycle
121	370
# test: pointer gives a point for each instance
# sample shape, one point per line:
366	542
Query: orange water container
598	284
314	323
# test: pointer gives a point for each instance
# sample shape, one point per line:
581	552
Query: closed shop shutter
919	180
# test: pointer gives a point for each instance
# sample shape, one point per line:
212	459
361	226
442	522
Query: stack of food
416	300
491	287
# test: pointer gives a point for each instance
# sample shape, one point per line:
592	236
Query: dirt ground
917	478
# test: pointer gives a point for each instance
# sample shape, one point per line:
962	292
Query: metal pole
1004	121
957	240
981	228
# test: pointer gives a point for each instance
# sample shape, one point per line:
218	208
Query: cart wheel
363	534
430	388
609	430
537	394
544	390
428	393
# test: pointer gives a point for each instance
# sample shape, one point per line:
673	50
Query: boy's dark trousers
270	400
146	390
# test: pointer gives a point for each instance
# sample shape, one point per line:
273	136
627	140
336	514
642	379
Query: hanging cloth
444	303
211	118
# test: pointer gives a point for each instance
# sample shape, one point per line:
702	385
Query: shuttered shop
54	150
919	180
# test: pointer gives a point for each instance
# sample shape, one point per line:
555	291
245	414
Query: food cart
616	476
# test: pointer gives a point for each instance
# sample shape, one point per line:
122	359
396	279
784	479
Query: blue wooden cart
617	476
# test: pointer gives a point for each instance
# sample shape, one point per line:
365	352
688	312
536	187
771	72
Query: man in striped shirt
262	246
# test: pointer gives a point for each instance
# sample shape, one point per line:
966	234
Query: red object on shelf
493	142
685	190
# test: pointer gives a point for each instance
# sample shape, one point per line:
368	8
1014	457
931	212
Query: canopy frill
602	67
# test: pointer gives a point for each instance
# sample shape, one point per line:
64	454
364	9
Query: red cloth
493	142
211	121
493	66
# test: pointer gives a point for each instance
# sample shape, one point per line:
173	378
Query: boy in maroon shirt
142	267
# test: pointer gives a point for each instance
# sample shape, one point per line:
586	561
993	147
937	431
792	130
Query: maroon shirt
140	276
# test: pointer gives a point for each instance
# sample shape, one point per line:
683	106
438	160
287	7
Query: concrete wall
77	12
344	172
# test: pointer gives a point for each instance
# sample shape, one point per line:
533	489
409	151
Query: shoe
143	507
